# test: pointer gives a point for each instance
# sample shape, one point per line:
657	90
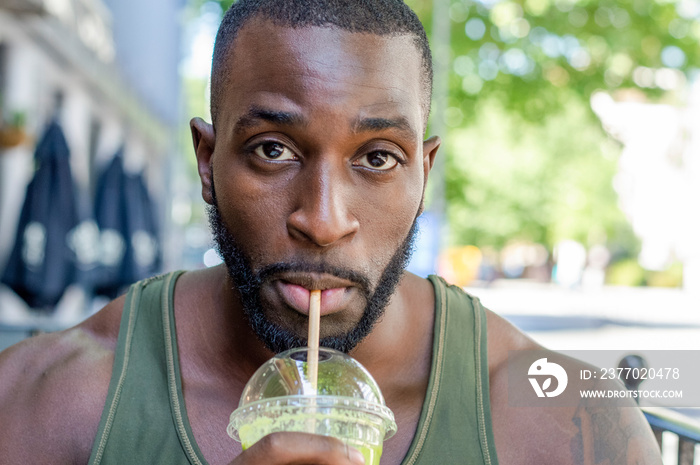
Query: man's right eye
274	151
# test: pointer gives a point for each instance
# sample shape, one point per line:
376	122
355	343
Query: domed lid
342	383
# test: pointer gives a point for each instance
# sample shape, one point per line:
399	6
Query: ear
203	138
430	150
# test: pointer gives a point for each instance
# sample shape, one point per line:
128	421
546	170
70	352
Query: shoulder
577	431
53	388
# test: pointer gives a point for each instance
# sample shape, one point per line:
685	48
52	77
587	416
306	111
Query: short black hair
380	17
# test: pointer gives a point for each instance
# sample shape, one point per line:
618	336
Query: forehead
316	67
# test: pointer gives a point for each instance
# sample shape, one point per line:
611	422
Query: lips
296	291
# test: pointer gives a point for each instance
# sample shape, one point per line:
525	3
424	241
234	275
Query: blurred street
608	317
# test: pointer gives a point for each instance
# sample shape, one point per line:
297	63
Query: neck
218	336
400	336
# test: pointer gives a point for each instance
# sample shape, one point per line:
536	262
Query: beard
248	283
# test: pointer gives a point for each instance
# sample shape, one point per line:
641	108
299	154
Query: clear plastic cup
347	404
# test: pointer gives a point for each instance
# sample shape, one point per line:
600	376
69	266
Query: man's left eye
377	161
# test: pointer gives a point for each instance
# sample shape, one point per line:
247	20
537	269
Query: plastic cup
347	404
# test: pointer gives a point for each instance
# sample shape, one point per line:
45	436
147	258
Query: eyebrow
378	124
256	114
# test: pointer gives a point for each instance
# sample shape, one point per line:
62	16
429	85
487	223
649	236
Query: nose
322	215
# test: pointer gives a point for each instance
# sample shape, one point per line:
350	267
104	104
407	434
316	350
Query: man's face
319	169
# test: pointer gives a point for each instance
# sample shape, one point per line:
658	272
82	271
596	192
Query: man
314	169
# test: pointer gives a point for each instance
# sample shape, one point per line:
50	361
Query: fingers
300	448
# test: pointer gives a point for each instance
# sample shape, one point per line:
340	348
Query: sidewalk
646	306
611	318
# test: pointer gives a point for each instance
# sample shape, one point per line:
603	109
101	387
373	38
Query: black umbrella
128	230
143	251
44	259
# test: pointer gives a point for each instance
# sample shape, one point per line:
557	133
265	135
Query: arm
52	388
581	432
585	433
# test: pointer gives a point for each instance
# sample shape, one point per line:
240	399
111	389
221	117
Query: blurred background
566	195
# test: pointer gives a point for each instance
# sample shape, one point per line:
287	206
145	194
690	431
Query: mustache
270	271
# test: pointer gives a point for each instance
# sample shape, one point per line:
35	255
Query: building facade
107	71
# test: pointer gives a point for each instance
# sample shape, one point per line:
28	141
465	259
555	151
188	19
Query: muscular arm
582	433
52	390
585	434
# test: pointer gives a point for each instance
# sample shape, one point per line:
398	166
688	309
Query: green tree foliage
526	157
525	53
509	178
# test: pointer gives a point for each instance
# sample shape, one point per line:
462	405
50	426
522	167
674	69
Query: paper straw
314	327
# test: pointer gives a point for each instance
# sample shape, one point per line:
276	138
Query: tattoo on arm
608	435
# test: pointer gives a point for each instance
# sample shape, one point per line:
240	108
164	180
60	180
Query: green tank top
144	420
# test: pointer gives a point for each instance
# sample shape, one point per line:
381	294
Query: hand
299	448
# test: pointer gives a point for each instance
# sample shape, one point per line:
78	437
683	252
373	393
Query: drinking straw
314	327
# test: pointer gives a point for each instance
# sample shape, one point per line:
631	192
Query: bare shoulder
580	431
53	388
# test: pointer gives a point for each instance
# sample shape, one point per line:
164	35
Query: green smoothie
335	425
